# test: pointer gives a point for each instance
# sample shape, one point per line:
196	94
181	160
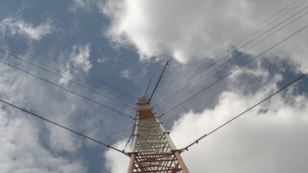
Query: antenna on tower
159	79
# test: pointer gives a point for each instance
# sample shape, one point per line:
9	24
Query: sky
76	61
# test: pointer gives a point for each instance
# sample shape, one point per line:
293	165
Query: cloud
270	138
16	26
263	140
115	161
79	4
31	146
125	74
80	57
21	150
61	151
70	144
197	29
156	28
78	62
102	60
66	74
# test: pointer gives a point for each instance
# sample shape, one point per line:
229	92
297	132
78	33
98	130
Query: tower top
153	150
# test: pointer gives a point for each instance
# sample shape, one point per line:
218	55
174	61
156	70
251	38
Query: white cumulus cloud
18	26
80	4
80	57
270	138
125	74
22	152
115	161
23	139
199	28
78	62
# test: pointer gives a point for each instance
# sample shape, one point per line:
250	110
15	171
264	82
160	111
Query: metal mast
153	150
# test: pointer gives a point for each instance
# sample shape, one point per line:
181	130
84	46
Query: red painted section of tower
153	149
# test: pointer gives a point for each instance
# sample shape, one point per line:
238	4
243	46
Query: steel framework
153	150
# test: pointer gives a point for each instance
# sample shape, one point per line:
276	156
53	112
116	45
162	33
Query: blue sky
116	47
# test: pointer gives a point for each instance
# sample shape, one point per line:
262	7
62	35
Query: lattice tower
153	150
